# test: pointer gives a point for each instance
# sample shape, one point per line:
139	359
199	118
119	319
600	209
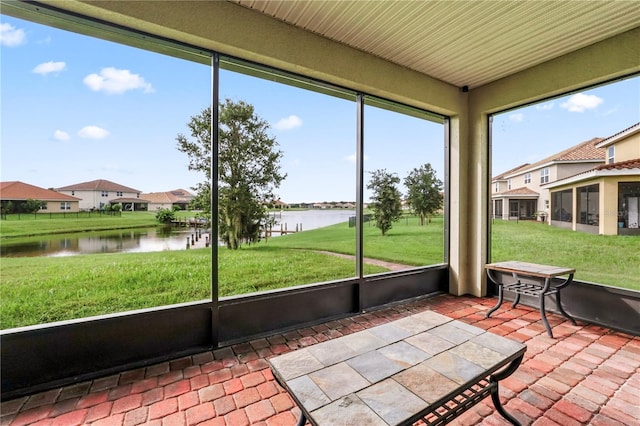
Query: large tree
385	200
424	194
248	164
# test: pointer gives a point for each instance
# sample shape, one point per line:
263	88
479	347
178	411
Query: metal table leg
500	295
495	397
302	420
542	312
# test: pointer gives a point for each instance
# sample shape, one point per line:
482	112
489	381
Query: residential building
168	200
96	194
605	199
520	193
15	193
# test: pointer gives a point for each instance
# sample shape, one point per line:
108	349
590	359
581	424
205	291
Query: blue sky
75	108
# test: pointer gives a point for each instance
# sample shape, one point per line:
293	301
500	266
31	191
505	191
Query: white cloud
93	132
288	123
581	102
11	36
61	135
545	107
517	117
115	81
49	67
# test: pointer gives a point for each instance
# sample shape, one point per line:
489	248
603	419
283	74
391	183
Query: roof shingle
16	190
97	185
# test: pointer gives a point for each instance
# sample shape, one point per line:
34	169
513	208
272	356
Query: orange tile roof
508	172
584	151
587	150
519	191
97	185
16	190
629	164
175	196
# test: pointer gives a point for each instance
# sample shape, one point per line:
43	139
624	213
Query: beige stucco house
521	193
96	194
167	200
605	199
14	193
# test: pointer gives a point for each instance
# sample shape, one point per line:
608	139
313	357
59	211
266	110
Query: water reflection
306	220
119	241
157	238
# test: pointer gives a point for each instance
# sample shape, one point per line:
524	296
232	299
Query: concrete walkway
389	265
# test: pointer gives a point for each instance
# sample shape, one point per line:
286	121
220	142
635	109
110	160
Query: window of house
588	204
119	194
611	153
65	205
508	183
544	175
497	210
527	178
104	194
629	206
562	205
496	187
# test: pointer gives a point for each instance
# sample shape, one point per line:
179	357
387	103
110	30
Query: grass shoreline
41	290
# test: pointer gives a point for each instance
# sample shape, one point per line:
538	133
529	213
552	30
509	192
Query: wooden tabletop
531	269
388	374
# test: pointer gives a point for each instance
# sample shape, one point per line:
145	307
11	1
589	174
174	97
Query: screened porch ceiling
463	43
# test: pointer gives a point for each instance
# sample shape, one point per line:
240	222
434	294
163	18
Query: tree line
249	172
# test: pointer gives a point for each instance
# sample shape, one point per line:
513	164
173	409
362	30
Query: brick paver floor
586	375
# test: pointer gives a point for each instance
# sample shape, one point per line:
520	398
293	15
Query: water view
156	238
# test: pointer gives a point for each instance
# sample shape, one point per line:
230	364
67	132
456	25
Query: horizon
108	111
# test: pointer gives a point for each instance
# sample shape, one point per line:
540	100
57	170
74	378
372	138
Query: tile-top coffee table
426	366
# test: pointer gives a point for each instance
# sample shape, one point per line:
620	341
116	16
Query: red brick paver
588	375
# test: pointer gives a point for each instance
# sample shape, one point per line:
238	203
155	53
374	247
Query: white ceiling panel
461	42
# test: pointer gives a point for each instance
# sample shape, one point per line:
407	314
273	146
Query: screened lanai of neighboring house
454	63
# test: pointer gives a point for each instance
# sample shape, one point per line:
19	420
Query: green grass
16	226
406	243
41	290
604	259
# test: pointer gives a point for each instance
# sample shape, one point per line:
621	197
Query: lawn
605	259
41	290
28	225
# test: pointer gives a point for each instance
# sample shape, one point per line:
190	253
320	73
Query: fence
63	215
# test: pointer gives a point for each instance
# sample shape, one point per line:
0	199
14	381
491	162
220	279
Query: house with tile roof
168	200
95	194
605	199
520	193
13	194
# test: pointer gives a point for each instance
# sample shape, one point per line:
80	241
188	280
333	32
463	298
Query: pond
156	238
116	241
304	220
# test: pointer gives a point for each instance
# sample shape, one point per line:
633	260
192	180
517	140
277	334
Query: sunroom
448	66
